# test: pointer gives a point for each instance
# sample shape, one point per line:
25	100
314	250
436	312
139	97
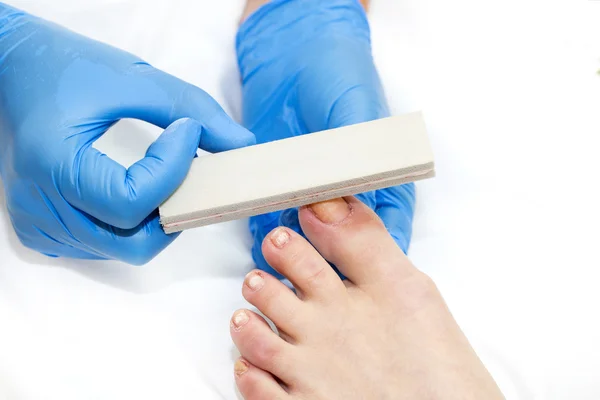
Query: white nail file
300	170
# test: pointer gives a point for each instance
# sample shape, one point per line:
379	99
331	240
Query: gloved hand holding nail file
59	93
300	170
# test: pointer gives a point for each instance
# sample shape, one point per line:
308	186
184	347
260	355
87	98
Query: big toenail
331	211
280	237
240	367
239	319
254	281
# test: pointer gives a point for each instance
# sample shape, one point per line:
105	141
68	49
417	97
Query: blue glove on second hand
59	92
307	66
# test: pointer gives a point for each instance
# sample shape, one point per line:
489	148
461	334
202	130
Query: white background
508	229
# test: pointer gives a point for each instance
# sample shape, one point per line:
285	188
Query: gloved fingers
34	238
73	252
350	98
43	221
122	197
135	246
395	206
280	28
359	103
330	98
173	99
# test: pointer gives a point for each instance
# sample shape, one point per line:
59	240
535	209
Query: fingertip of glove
187	128
187	124
243	137
222	133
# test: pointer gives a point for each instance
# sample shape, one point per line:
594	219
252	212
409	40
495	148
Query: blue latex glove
59	92
306	66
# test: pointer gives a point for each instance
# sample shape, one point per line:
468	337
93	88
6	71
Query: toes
276	301
257	384
258	344
351	236
292	256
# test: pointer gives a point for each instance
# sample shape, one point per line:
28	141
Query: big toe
350	235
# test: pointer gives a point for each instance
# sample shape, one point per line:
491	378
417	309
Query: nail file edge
179	226
393	142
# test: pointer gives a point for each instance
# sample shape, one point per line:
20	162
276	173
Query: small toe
257	384
258	344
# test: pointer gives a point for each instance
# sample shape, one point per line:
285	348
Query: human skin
384	333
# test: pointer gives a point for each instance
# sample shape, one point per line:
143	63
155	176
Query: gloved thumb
124	197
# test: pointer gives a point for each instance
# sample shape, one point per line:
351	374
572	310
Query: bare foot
386	333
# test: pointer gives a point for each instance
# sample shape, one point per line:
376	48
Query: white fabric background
508	229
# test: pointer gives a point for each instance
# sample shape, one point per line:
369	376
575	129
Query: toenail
331	211
239	319
280	237
240	367
255	281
